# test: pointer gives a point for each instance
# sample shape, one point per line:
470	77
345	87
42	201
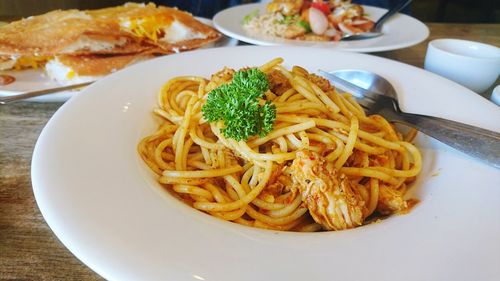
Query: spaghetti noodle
325	165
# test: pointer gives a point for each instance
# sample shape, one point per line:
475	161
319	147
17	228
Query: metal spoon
376	31
36	93
379	97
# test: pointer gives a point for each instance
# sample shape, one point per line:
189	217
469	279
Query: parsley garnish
237	104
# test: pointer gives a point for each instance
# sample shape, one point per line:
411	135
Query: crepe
6	62
169	29
66	32
68	69
94	36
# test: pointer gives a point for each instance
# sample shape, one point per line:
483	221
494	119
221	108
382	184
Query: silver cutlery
378	96
31	94
376	31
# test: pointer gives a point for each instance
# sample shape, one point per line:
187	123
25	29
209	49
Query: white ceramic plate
400	31
104	204
36	79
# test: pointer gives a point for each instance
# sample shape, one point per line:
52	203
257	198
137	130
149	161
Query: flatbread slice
69	69
170	29
66	32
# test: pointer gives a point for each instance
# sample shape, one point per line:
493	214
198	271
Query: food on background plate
165	28
6	79
86	68
119	35
316	20
278	149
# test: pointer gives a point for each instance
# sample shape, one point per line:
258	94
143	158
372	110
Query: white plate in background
400	31
105	205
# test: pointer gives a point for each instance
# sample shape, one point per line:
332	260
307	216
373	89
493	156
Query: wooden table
28	248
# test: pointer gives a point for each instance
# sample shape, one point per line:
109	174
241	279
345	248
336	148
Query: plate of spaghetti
245	154
318	24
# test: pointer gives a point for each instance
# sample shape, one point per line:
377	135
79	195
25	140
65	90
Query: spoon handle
477	142
400	6
31	94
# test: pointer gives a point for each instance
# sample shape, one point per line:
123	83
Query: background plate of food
67	47
113	212
318	26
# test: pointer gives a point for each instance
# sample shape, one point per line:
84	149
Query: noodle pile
324	166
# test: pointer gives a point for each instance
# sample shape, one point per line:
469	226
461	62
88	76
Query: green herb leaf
237	105
305	25
268	115
287	20
250	16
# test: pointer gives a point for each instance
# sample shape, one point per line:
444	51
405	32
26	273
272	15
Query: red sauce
6	79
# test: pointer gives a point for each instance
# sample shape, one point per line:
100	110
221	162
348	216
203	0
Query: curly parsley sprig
237	105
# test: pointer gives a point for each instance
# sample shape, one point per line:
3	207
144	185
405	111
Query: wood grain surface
28	248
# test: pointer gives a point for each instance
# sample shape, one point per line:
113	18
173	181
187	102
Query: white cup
495	95
472	64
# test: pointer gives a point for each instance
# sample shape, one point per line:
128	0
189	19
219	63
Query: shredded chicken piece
337	3
321	82
223	76
293	31
274	189
315	37
390	201
278	83
286	7
332	201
